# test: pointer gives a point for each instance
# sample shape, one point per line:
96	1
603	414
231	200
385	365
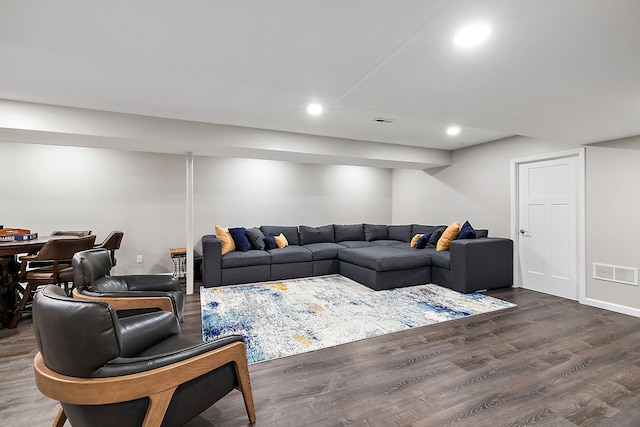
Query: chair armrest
151	282
142	331
211	261
131	300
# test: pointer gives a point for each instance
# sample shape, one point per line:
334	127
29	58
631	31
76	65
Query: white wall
613	212
476	187
251	192
144	195
56	188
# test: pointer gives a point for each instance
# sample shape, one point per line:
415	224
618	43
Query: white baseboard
613	307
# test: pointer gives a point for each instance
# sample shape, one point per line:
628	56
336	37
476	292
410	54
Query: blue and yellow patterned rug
280	319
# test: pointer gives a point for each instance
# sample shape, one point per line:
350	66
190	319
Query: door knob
522	231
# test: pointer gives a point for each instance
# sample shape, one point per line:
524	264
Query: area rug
279	319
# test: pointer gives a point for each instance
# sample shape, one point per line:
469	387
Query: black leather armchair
134	371
129	293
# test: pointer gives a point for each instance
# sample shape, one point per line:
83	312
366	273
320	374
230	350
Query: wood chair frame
130	302
158	384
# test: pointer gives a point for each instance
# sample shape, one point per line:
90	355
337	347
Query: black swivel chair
128	293
135	371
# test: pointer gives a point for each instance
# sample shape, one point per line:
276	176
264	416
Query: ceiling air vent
383	120
615	273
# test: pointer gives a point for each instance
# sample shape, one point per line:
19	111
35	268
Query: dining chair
112	244
140	370
57	254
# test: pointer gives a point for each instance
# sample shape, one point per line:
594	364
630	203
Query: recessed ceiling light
472	35
453	130
314	109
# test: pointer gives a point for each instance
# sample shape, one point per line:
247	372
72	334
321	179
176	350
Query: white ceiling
559	70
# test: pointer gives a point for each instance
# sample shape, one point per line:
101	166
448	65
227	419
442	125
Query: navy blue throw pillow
270	242
239	236
467	231
422	242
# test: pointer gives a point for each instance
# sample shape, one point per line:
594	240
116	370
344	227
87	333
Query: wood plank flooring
548	362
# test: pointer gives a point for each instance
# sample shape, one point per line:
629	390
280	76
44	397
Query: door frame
579	154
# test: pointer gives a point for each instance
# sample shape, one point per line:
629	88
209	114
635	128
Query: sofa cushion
290	232
356	244
245	259
440	259
225	237
375	232
256	237
385	242
467	231
322	251
239	236
290	254
400	232
481	232
380	258
281	241
348	232
425	229
448	236
322	234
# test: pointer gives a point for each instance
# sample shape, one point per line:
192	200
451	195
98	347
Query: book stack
16	234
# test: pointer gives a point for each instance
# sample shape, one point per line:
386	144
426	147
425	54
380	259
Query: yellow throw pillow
415	239
448	236
228	245
281	241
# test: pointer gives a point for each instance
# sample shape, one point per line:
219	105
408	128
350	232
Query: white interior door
547	226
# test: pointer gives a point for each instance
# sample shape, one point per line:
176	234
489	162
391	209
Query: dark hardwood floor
548	362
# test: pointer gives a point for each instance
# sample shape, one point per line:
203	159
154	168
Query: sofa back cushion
375	232
348	232
424	229
290	232
400	232
322	234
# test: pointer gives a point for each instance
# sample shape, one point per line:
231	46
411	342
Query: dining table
10	267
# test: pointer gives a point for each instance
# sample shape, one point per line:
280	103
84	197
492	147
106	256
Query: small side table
179	258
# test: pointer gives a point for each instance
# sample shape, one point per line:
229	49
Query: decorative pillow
414	240
448	236
256	237
281	241
349	232
322	234
227	241
467	231
270	242
422	242
400	232
435	236
239	236
291	232
375	232
425	229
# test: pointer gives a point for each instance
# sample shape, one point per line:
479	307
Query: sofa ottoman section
382	268
291	262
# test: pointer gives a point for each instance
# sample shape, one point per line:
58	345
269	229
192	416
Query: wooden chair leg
26	296
60	418
244	386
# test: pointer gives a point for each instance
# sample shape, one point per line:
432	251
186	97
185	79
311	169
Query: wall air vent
615	273
383	120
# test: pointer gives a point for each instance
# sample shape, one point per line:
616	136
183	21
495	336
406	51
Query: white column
189	222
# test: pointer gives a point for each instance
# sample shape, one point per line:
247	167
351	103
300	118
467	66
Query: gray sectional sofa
378	256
